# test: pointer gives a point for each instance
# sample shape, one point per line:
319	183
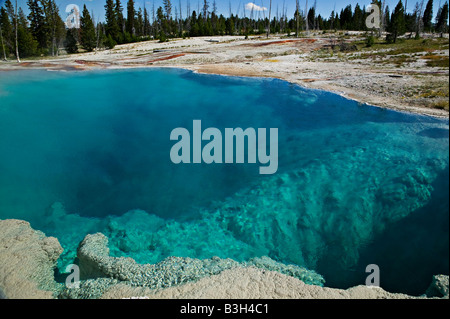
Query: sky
324	7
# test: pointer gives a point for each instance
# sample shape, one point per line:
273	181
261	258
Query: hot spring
85	152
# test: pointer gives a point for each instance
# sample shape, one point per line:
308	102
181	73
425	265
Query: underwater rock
319	215
93	254
28	259
439	287
149	239
70	229
284	217
95	262
133	231
280	217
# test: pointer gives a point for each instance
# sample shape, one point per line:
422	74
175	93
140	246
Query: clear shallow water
87	152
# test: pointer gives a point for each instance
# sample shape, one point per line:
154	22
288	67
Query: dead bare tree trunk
383	19
181	20
298	18
268	25
53	9
98	37
315	19
17	42
307	20
419	19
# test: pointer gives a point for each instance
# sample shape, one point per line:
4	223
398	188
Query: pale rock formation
27	261
439	287
250	283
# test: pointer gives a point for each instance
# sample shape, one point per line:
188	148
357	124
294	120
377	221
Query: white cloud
251	6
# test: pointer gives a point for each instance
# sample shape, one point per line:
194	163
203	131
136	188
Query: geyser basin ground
356	185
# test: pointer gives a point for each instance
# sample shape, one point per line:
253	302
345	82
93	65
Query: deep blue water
356	184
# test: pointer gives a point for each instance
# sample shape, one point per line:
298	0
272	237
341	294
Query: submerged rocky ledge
28	260
352	179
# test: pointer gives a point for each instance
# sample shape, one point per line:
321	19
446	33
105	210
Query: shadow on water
409	252
435	133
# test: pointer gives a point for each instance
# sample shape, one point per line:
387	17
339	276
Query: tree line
43	32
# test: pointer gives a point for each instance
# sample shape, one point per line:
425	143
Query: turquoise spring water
82	152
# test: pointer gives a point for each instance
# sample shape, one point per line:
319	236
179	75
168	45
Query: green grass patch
437	61
441	105
435	93
409	46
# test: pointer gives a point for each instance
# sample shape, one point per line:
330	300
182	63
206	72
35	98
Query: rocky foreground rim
28	260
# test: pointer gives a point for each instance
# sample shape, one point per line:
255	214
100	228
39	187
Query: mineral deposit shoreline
297	61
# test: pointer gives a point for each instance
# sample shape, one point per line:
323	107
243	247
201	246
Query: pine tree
88	38
358	19
398	23
222	26
139	23
112	27
109	42
162	25
26	44
38	25
387	16
56	26
147	26
6	29
346	18
311	17
442	19
71	41
48	8
10	10
229	25
337	22
131	13
428	16
2	44
121	23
